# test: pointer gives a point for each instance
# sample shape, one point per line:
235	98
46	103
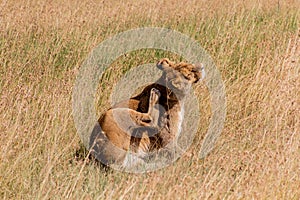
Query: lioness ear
164	64
199	67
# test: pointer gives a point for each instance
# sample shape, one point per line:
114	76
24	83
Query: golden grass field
256	47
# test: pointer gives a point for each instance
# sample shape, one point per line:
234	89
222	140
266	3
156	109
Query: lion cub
122	125
148	121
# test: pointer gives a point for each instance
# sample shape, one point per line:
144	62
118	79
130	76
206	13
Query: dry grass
256	47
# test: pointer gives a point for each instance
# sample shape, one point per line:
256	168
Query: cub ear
164	64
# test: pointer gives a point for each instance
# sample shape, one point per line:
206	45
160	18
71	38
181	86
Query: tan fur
151	127
118	125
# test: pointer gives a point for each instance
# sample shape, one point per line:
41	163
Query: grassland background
256	47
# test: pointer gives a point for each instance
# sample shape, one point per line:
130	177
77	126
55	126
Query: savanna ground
256	47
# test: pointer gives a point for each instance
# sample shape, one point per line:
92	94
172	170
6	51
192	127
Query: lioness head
179	77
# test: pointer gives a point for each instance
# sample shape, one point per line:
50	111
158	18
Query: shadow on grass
81	155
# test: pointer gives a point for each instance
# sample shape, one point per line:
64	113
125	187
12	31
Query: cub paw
154	95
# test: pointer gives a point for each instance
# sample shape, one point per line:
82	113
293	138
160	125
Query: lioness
148	121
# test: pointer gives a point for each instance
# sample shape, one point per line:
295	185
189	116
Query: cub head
180	77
